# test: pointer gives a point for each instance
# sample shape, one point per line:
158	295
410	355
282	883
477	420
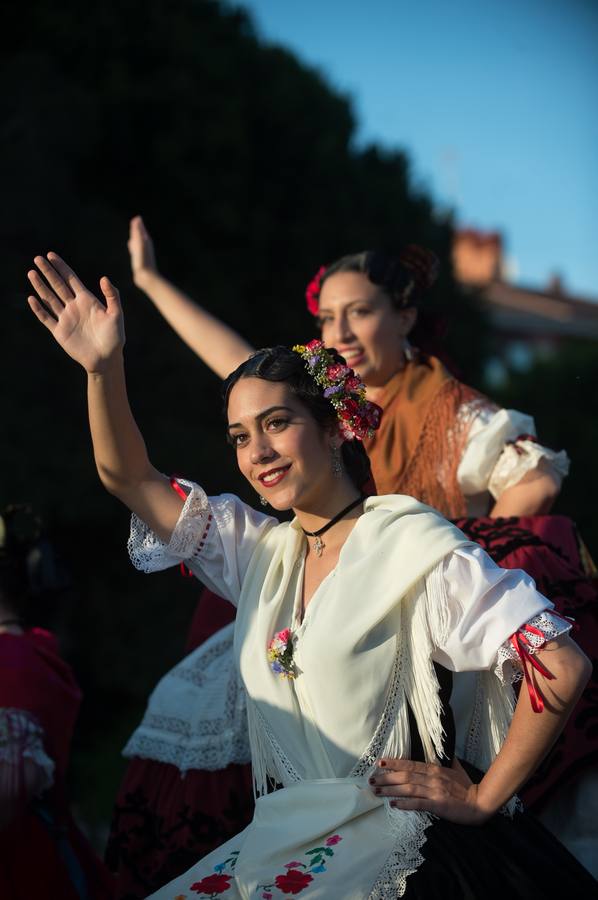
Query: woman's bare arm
92	333
450	794
216	344
532	496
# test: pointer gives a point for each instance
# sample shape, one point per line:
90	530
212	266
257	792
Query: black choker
319	545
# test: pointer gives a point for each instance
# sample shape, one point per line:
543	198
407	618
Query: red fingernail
377	790
372	780
382	763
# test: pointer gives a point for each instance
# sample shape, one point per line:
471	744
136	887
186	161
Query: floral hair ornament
358	418
280	654
312	291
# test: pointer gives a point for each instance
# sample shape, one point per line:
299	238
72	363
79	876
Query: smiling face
281	450
359	319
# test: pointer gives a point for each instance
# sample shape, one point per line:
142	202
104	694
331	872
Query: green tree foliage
560	391
244	165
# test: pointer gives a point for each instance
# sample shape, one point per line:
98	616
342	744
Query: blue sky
495	102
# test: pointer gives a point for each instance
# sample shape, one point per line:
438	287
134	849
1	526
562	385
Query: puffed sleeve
26	770
215	538
501	450
483	607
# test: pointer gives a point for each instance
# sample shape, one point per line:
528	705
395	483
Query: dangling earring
263	501
407	350
336	464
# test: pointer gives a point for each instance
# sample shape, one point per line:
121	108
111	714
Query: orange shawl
422	436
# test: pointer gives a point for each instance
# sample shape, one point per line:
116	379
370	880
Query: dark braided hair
405	277
282	364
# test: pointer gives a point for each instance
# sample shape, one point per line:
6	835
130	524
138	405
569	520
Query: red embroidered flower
293	882
335	839
213	884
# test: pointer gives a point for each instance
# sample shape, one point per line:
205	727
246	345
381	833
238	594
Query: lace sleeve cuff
22	738
544	627
149	554
522	456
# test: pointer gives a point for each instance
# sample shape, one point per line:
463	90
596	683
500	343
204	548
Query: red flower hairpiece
312	291
358	418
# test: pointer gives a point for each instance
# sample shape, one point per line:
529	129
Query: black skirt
507	858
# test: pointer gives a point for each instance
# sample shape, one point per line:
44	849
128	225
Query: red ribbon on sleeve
185	572
522	645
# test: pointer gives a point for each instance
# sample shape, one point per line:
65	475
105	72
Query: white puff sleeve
483	606
215	538
499	453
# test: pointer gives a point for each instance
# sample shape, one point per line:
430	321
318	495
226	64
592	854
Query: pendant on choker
319	544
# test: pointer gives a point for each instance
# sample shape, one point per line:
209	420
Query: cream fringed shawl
364	651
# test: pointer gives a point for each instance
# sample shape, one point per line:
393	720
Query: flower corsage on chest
280	654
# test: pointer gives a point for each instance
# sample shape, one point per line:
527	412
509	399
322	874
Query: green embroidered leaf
317	850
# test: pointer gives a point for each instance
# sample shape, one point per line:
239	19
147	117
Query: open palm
90	331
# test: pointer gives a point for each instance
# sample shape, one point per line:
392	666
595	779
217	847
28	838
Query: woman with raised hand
447	445
350	620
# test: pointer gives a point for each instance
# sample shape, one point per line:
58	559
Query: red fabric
211	614
34	678
163	823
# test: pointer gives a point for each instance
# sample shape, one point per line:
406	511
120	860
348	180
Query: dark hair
29	571
282	364
405	277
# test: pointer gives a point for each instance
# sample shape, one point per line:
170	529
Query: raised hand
91	332
448	793
141	251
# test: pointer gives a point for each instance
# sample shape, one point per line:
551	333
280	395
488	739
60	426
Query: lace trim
521	457
270	763
508	664
192	739
392	738
394	699
212	757
149	554
473	739
22	737
406	857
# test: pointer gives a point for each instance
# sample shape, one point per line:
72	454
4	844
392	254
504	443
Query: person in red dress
43	854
